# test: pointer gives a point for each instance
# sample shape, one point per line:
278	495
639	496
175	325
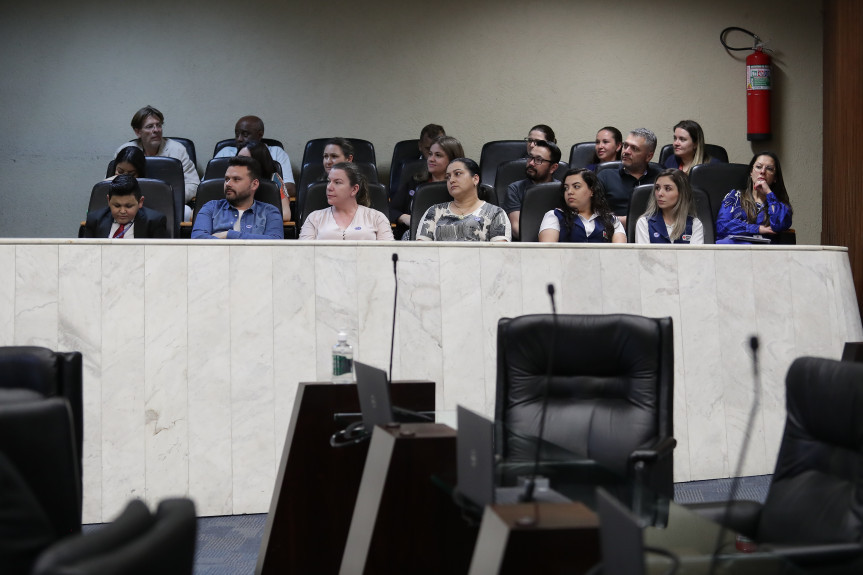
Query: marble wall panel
580	288
738	315
293	330
845	297
36	285
166	371
376	290
621	289
336	303
209	375
7	294
538	269
462	329
124	348
252	382
811	291
79	310
660	297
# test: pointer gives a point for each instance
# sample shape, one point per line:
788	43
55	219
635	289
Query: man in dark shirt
635	170
542	162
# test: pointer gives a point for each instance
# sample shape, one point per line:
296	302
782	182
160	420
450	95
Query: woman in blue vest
584	215
670	216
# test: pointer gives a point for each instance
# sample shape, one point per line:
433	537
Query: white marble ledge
420	244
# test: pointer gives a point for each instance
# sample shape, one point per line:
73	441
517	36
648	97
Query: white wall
73	75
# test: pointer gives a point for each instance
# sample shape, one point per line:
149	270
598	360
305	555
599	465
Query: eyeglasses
537	161
768	169
155	126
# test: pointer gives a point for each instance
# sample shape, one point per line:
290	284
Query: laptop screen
475	459
373	389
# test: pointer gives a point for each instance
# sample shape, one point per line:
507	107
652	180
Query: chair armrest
742	516
661	449
820	554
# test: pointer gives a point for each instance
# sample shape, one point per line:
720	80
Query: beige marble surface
193	350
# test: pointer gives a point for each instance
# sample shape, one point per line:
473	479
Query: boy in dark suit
125	216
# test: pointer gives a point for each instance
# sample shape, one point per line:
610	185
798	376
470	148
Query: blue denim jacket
260	222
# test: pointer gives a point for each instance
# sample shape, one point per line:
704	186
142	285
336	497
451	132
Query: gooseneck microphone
735	480
395	309
530	485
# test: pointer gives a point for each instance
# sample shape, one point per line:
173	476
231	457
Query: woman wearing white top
670	215
348	217
584	215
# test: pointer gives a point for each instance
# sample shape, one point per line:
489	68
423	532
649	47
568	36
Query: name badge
686	238
656	234
358	228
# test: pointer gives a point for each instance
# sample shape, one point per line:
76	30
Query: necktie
121	231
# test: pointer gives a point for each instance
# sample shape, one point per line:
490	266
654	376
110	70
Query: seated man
428	135
125	217
542	161
251	128
239	216
147	123
635	170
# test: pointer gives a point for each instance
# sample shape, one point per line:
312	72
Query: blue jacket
260	222
658	231
731	219
578	234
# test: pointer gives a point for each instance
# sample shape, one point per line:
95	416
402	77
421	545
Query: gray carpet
229	545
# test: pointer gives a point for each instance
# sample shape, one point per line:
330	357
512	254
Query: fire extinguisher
758	87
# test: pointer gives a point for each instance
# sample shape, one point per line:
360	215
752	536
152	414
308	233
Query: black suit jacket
148	224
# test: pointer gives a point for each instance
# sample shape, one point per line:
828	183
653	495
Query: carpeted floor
229	545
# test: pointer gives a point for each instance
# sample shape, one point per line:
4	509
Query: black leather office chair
233	142
581	154
50	373
316	199
210	190
638	205
495	153
136	543
712	150
538	200
218	167
813	513
426	196
611	393
364	151
157	194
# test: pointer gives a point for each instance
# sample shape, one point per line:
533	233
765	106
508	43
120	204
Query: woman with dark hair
670	216
336	151
609	142
583	214
261	152
762	209
442	151
130	161
539	132
349	216
466	217
689	149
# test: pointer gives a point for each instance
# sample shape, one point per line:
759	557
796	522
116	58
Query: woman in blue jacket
762	210
670	215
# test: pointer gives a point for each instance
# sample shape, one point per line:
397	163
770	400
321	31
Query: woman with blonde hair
670	216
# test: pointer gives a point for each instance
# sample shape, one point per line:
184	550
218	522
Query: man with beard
635	169
542	161
239	215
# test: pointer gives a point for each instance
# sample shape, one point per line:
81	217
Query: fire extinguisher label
757	77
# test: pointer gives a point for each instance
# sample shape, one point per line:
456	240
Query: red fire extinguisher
758	87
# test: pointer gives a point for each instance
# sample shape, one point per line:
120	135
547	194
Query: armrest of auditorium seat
743	515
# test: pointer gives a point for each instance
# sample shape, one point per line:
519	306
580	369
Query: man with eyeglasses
147	124
635	169
542	161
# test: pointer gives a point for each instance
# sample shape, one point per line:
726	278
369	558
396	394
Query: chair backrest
611	390
409	170
404	151
816	483
608	166
538	200
712	150
716	180
426	196
216	169
157	194
581	154
507	173
497	152
233	142
209	190
316	199
190	148
638	205
37	439
136	543
364	151
169	170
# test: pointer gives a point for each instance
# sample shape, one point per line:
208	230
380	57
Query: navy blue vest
578	235
658	232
